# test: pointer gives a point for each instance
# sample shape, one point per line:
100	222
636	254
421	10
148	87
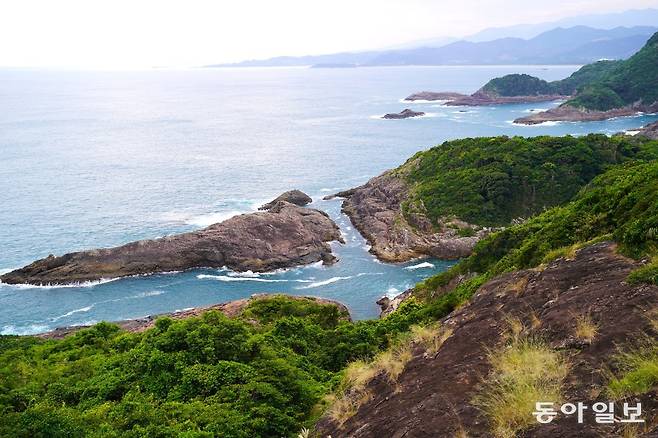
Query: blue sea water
95	159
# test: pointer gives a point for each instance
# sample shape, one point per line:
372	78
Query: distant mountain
574	45
636	17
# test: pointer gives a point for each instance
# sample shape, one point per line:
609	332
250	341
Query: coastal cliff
285	235
442	201
376	211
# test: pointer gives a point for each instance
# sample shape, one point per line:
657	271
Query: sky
117	34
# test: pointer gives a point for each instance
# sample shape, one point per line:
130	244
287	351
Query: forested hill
602	86
490	181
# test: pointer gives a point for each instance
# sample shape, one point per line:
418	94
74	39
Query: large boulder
296	197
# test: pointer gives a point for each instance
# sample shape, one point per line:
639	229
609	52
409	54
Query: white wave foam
632	132
228	278
31	329
392	292
420	266
325	282
73	312
200	220
151	293
334	280
60	286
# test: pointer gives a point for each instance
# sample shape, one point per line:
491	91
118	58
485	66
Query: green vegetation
629	82
490	181
259	374
517	85
619	205
638	371
526	85
600	86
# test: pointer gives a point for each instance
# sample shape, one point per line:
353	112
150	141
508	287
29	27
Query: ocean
97	159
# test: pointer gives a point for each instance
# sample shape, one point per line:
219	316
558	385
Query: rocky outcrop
404	114
284	236
434	96
481	98
375	209
568	113
649	131
296	197
230	309
434	395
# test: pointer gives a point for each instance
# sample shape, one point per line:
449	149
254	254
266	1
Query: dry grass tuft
535	322
523	373
358	374
518	287
430	337
586	328
344	407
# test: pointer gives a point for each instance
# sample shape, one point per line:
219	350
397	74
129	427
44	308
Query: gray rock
296	197
287	235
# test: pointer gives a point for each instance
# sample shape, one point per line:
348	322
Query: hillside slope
441	201
629	87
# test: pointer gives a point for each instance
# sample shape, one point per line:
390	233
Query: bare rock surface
434	395
481	98
375	209
404	114
568	113
650	131
296	197
284	236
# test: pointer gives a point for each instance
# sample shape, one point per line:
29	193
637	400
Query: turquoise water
93	159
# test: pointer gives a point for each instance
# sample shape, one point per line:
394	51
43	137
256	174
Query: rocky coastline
375	210
649	131
568	113
283	236
481	98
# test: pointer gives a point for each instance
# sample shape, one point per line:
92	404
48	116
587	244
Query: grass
430	337
524	372
353	391
638	371
645	274
586	328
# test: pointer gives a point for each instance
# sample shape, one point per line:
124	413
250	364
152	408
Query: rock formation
568	113
286	235
404	114
296	197
375	209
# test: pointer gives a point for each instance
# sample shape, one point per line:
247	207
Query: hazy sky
147	33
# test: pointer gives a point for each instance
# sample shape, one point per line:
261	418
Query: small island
404	114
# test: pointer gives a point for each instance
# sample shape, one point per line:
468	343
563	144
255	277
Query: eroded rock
287	235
